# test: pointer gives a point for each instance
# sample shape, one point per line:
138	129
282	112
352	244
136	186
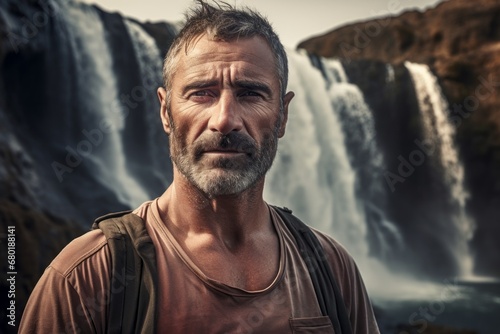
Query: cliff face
460	41
454	27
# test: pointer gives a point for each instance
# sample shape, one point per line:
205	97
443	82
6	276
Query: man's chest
191	302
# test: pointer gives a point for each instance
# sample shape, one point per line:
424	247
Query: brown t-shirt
73	293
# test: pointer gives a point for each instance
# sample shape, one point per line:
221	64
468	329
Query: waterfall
357	119
389	76
150	65
329	170
439	131
98	100
365	156
314	156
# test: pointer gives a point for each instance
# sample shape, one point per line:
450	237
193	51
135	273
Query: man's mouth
229	146
223	151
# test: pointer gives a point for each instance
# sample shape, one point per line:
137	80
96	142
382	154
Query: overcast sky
294	20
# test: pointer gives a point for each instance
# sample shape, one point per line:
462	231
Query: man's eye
201	93
249	93
201	96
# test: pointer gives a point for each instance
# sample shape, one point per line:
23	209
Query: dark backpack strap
133	290
327	291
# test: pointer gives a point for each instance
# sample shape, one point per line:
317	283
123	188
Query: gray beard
229	177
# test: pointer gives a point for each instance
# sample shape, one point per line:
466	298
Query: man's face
224	119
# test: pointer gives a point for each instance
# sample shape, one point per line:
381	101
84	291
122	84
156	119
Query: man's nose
227	115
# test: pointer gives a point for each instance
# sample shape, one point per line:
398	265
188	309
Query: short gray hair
226	23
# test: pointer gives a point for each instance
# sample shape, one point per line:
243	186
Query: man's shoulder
90	247
333	247
71	295
145	209
340	258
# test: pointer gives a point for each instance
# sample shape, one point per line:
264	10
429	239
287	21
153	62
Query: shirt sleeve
55	307
351	287
73	293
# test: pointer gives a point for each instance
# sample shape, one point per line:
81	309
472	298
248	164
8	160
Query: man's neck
231	219
231	238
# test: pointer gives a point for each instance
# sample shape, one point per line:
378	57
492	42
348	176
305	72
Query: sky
294	20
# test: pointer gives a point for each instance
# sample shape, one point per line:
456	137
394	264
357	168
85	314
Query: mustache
233	141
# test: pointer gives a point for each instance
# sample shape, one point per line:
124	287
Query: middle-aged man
225	260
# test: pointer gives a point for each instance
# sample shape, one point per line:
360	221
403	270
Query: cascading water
98	94
312	175
150	65
365	156
313	155
440	132
389	77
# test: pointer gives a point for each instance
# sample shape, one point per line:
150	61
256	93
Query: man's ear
162	95
286	101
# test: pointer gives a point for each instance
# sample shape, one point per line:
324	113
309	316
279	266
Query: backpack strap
133	289
327	291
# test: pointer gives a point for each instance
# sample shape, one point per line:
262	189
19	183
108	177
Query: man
226	262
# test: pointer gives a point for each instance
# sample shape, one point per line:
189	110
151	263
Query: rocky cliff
460	41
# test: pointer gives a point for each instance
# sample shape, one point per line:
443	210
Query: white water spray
439	130
150	66
313	155
313	176
359	130
390	75
98	88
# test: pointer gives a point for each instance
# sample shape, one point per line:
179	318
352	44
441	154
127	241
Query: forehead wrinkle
213	60
243	62
234	75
